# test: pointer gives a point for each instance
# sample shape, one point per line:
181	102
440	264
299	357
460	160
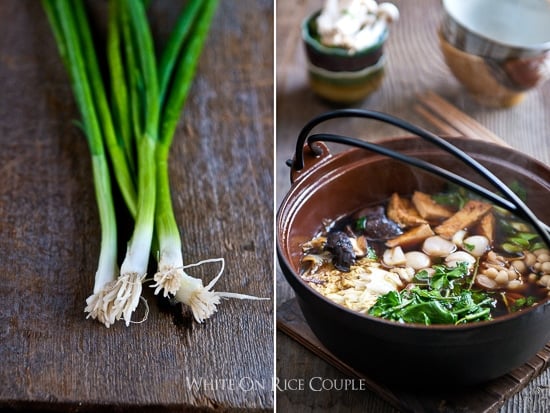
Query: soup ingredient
476	245
437	246
417	260
354	24
394	257
412	236
339	244
520	238
401	211
537	263
359	288
375	225
470	214
429	209
442	298
453	259
444	280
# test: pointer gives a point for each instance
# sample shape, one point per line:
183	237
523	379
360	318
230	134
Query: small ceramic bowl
498	49
337	75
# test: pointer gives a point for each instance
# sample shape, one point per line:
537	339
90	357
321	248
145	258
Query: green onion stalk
171	277
136	131
133	269
116	293
62	18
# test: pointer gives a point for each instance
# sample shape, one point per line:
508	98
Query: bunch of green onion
129	118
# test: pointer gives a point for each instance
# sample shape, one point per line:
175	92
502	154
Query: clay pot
414	355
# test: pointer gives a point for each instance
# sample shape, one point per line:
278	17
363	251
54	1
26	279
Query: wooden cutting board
51	357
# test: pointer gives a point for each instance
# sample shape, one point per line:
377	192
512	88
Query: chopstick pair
451	121
512	202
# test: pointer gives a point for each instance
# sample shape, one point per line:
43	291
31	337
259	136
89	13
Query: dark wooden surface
415	66
51	357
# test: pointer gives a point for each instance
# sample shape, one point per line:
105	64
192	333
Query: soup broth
447	258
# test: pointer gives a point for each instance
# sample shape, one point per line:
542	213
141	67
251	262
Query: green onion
61	18
135	129
171	276
134	267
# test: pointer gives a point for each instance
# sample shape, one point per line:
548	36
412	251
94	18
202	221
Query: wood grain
221	170
485	398
415	67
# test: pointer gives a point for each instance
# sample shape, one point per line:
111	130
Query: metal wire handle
512	203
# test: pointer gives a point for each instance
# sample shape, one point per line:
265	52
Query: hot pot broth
445	258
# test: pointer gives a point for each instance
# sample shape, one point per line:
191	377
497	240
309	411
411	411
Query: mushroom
477	245
339	244
437	246
459	256
388	12
394	256
417	260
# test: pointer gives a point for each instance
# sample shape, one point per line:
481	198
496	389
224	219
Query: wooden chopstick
445	128
456	119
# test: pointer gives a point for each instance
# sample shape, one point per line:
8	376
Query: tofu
402	211
469	215
413	236
487	227
428	208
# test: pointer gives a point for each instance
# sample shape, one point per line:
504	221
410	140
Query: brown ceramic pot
414	355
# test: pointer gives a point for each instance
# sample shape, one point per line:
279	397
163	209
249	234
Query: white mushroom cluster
502	272
354	24
499	272
538	265
438	248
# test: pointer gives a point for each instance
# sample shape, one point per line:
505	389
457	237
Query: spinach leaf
443	298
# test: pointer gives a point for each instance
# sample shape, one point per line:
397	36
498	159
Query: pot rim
487	41
288	271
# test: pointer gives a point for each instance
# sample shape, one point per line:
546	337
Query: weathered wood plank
221	171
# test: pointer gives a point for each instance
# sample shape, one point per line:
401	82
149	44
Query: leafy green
519	190
443	298
520	237
444	277
371	254
361	224
523	302
455	197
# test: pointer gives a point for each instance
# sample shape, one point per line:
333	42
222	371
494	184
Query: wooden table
51	357
415	67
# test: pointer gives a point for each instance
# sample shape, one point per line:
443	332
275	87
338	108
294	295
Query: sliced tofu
413	236
428	208
402	211
487	226
469	215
